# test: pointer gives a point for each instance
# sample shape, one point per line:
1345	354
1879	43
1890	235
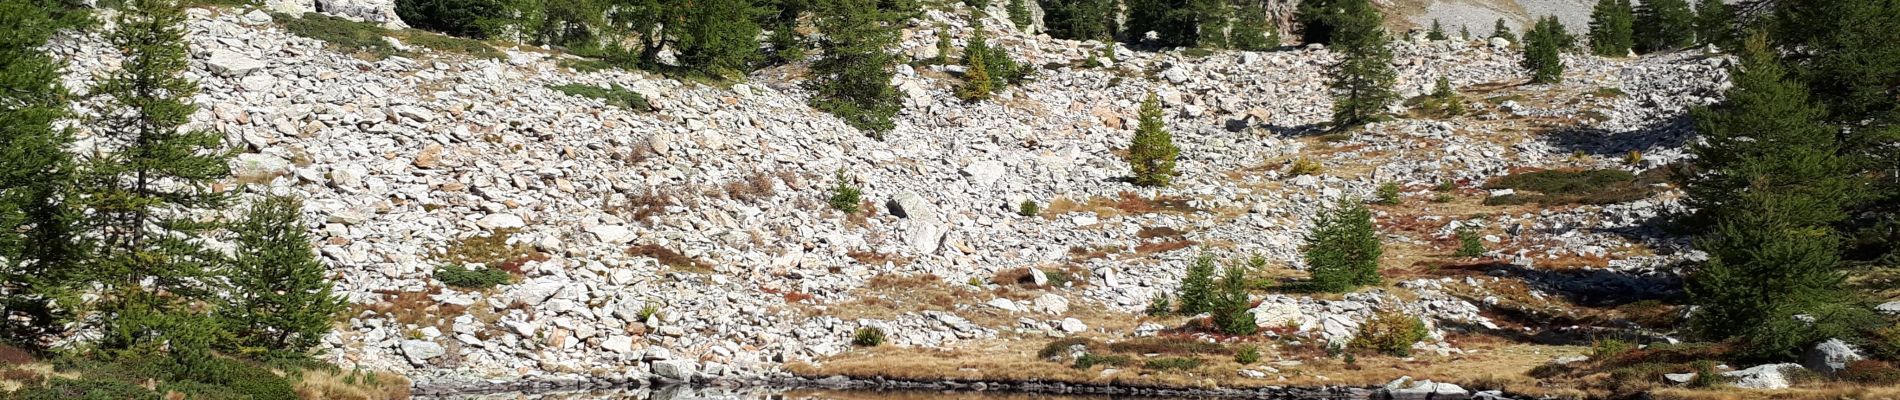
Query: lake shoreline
425	389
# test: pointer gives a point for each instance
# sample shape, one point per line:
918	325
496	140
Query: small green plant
1442	198
1609	348
1334	350
1247	355
974	282
1304	166
1391	333
1634	157
1351	359
1445	186
1706	376
1090	360
868	337
1173	363
465	278
616	95
844	197
1469	244
1389	194
1161	305
647	311
1028	209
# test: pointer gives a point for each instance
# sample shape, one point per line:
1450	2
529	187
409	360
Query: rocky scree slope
402	158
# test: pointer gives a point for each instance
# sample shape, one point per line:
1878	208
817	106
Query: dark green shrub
465	278
1248	354
1391	333
844	197
1609	348
1343	249
1231	308
1028	209
616	96
1469	245
1197	287
1599	186
71	389
455	17
1160	305
1389	194
1087	361
868	337
451	44
1173	363
341	33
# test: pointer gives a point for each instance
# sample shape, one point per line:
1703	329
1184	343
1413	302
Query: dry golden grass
351	385
1125	203
1822	393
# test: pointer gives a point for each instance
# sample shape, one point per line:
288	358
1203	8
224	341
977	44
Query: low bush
669	258
1597	186
1304	166
1871	372
77	389
844	197
451	44
1609	348
1247	355
341	33
1028	209
868	337
1469	244
467	278
615	95
1391	333
1161	305
1087	360
1173	364
464	18
1389	194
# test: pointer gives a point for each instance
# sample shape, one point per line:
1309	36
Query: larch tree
853	76
280	300
40	250
1664	25
1250	29
1543	48
1715	24
1362	79
1151	154
1343	250
1213	18
1500	30
1437	33
1612	28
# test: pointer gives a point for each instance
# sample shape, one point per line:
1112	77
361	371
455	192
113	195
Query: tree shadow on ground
1672	132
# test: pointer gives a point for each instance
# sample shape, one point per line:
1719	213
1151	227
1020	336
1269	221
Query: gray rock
1889	308
420	352
1768	376
1072	325
260	167
1424	390
912	206
501	221
1830	357
1679	379
985	172
229	63
1052	303
675	370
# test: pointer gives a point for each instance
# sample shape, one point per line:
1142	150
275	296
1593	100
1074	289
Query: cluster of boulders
398	158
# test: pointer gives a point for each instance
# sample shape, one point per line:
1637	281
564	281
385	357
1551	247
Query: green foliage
1028	209
1212	18
280	298
1596	186
1304	166
616	95
1469	244
1542	46
1343	249
1080	19
1197	287
1161	305
944	46
1151	154
1317	20
1232	308
454	17
1664	25
144	278
1500	30
40	250
844	197
1437	33
341	33
1247	355
994	62
1254	31
1175	22
1018	14
789	46
1362	80
75	389
868	337
473	279
1612	28
1388	194
1715	24
1173	363
1607	349
976	79
1442	102
852	80
715	37
1090	360
1392	333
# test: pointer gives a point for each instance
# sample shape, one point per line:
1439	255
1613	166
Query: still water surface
689	393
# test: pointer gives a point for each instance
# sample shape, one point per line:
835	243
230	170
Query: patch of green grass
1596	186
466	278
373	39
616	96
1173	364
1087	361
1607	91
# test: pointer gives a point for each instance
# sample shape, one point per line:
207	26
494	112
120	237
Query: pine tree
145	178
280	299
853	77
1664	25
1151	155
1771	182
1343	250
976	79
944	46
40	251
1232	307
1612	28
1464	32
716	36
1715	24
1019	14
1002	69
1080	19
1250	29
1437	33
1196	293
788	45
1317	20
1214	17
1502	31
1362	80
1542	46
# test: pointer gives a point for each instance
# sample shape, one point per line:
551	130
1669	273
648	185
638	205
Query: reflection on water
692	393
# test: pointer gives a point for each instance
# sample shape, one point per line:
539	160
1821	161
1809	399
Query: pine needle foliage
1543	47
1362	80
1196	293
41	250
1152	153
1612	28
1664	25
1343	249
853	76
280	297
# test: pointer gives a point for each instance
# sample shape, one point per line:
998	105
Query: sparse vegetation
471	278
1391	333
1090	360
1304	166
1028	209
1597	186
1172	363
1469	244
1247	355
844	196
1389	194
868	337
616	95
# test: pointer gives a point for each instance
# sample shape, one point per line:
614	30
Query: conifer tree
1664	25
853	77
944	46
1019	14
1316	19
716	36
1231	308
40	252
1715	24
1250	29
1343	250
787	44
976	79
1612	26
144	178
1464	32
280	299
1362	80
1151	155
1080	19
1770	181
1437	33
1502	31
1214	17
1542	46
1196	293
